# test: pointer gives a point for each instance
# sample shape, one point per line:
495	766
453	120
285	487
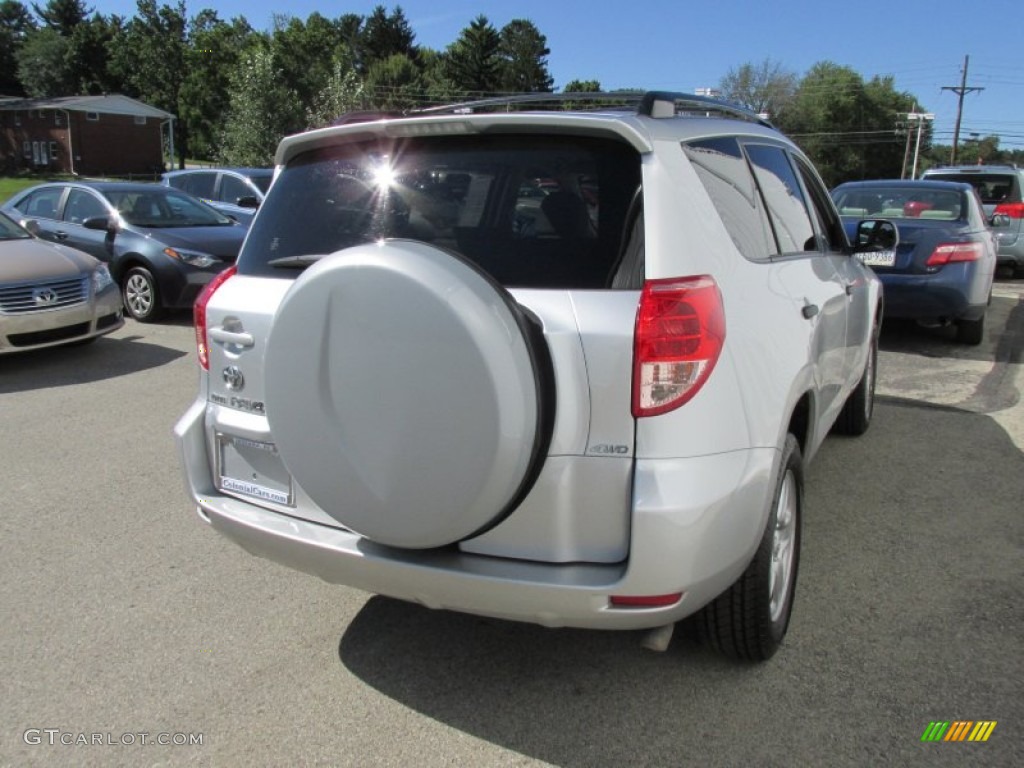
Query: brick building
83	135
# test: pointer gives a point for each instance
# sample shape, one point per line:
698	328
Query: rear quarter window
544	212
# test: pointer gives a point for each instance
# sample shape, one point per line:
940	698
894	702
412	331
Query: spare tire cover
402	393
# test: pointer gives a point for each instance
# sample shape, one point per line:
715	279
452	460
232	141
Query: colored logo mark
959	730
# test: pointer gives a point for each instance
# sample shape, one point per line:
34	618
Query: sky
682	45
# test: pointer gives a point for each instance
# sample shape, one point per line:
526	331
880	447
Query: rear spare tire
406	392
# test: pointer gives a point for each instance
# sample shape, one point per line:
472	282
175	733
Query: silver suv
1001	189
560	367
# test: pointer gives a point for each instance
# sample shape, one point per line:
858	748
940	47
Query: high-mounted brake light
199	314
952	252
680	330
1013	210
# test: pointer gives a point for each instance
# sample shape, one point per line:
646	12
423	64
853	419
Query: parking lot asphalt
125	615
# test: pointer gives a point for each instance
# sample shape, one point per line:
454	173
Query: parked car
1001	189
51	294
944	264
595	412
162	245
237	192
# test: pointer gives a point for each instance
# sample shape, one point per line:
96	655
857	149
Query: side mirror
100	223
999	220
249	201
875	235
32	225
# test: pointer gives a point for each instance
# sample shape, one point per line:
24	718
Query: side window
725	174
231	189
81	206
43	204
196	184
783	197
829	226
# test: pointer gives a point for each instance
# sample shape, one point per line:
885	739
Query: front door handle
809	310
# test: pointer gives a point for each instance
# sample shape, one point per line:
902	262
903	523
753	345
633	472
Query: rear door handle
238	338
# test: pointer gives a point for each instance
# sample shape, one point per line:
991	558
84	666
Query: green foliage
846	126
385	35
62	15
525	51
344	93
582	86
394	83
262	110
474	61
15	24
42	64
88	56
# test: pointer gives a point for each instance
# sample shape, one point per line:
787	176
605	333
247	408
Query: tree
524	51
42	67
263	109
344	93
88	56
765	88
306	52
62	15
214	49
474	62
16	24
582	86
385	35
847	127
394	83
150	56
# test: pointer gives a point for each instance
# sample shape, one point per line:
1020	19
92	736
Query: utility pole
920	118
960	106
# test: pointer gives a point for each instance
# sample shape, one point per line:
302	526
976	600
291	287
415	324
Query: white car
592	408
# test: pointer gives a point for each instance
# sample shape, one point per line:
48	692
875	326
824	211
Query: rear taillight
951	252
199	314
680	329
1013	210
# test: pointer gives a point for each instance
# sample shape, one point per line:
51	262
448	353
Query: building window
26	149
57	119
53	150
17	118
92	117
140	119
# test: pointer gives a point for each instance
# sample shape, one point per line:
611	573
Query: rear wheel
141	298
970	332
749	620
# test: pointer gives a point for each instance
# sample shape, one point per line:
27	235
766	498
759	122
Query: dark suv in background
1000	188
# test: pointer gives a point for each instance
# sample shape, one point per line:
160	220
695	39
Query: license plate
878	258
252	468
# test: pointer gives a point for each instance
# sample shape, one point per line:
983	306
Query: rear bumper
695	526
957	291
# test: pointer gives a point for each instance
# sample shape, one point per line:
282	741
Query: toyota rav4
562	366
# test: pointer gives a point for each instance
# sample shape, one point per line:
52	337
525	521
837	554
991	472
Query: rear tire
749	620
970	332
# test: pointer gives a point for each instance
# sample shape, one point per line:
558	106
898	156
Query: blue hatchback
943	265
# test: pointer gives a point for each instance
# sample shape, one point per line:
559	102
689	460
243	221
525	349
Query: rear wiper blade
296	262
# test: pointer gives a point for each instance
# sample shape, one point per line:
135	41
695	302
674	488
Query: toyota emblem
45	297
233	378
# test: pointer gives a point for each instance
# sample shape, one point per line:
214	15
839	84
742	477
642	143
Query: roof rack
657	104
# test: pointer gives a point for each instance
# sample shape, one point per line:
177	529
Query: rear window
545	212
894	202
993	188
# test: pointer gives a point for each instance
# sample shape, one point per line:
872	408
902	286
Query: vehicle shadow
906	611
1004	336
106	358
